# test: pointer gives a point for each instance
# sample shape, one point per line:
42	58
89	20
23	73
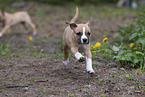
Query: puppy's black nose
84	40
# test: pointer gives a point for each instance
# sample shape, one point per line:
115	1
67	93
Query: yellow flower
30	38
105	39
98	44
93	48
131	44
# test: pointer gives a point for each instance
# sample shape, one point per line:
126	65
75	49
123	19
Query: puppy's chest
81	48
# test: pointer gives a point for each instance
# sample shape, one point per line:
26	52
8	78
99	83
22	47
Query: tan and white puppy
76	38
15	18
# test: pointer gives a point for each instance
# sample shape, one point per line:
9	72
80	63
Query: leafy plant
130	41
132	54
5	48
102	49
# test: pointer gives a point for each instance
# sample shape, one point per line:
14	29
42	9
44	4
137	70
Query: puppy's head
82	32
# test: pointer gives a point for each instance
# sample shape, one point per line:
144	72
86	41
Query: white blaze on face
84	35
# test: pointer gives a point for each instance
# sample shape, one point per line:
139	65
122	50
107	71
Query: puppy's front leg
4	30
89	60
66	54
76	53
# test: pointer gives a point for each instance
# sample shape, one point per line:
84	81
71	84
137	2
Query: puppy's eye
79	33
88	33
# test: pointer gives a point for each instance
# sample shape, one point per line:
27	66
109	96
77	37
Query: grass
6	48
33	79
58	56
103	12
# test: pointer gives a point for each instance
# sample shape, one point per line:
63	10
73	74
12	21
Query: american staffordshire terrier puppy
15	18
76	38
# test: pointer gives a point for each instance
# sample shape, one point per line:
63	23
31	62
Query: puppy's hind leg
25	26
4	30
66	55
33	27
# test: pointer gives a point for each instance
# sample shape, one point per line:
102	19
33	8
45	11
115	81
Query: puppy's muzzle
85	40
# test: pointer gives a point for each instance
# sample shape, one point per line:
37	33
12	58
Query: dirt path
33	75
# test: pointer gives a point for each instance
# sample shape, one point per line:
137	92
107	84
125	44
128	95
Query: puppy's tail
29	9
76	16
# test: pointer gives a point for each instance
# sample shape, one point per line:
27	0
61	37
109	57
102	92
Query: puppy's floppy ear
72	25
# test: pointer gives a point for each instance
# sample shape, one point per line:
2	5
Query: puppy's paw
91	71
34	33
26	32
1	34
66	62
81	59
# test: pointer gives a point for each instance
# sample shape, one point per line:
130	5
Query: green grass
33	79
58	56
6	48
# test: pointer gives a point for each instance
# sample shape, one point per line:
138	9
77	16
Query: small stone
25	88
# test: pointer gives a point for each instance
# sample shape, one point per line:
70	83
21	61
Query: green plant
5	48
103	49
130	41
102	95
132	54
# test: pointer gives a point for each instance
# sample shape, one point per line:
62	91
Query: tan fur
70	39
18	17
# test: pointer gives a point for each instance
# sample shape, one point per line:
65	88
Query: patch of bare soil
34	68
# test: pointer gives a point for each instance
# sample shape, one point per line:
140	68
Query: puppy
12	19
76	38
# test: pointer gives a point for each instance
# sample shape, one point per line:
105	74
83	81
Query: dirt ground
34	68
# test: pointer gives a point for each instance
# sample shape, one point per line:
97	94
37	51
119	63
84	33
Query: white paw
91	71
1	35
34	33
89	65
81	59
66	62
